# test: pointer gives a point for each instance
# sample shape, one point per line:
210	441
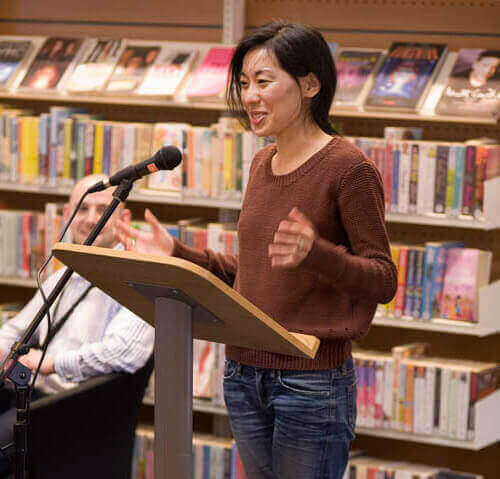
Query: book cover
467	269
492	162
355	69
135	61
165	77
209	79
473	87
12	55
96	66
53	60
405	76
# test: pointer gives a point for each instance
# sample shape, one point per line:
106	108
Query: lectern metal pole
173	389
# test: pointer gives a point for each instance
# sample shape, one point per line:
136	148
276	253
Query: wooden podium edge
307	344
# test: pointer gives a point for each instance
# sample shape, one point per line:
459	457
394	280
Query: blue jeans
291	424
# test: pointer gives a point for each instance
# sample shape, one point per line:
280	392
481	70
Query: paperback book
135	61
355	68
467	270
209	80
93	71
473	87
13	54
169	72
53	61
405	76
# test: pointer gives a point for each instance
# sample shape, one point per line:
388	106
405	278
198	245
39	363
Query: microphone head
167	158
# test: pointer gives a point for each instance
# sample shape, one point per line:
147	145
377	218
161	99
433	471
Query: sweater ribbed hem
331	354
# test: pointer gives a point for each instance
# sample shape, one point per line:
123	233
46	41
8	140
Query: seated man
100	336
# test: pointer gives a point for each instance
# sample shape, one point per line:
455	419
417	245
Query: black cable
39	283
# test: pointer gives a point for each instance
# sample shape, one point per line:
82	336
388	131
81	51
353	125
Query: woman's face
271	97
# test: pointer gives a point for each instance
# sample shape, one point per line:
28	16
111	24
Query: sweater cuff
66	366
189	254
327	259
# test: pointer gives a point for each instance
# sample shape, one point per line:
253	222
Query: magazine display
405	76
473	87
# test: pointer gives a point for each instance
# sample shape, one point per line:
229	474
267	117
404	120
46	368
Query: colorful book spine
469	181
441	178
459	180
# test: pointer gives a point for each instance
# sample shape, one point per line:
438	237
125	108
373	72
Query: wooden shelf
420	438
440	325
220	106
389	115
442	220
112	100
151	196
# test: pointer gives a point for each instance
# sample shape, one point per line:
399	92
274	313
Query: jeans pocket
313	383
230	369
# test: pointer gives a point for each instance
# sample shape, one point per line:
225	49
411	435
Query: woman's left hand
292	241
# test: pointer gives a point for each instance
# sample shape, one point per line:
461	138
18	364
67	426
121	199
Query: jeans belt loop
343	370
238	369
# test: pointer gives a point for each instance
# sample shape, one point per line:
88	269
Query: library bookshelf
350	23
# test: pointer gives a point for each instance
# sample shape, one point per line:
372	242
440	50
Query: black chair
88	431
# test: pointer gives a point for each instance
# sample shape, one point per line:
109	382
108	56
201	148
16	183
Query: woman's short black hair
299	50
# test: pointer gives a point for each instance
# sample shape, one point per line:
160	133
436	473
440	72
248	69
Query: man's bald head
91	211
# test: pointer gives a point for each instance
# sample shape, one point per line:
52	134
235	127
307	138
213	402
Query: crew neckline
311	162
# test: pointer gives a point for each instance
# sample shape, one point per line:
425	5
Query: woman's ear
309	85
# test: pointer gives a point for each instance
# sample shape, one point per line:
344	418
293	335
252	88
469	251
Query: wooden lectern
182	301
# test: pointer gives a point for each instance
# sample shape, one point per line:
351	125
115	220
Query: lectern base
173	390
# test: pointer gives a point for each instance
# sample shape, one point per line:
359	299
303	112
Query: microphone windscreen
168	157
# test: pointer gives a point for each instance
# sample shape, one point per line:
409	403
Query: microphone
166	158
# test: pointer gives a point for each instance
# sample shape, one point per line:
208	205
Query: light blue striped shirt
100	337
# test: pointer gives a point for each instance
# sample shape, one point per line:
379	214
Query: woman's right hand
158	241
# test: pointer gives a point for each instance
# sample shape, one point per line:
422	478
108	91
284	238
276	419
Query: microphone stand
19	374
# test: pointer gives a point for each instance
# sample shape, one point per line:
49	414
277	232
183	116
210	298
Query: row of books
398	78
213	457
406	391
440	279
403	390
26	239
433	178
59	147
365	467
217	458
208	373
64	145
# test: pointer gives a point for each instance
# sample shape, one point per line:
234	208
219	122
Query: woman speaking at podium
313	255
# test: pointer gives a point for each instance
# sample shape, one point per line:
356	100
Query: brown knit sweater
334	292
